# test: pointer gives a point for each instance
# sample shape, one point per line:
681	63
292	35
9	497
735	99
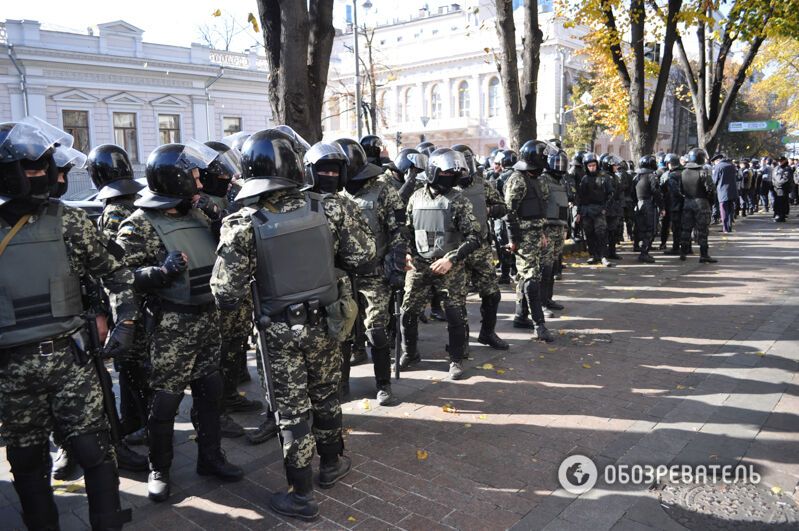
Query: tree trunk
298	37
520	99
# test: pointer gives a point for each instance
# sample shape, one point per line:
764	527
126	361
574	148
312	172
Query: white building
437	76
113	87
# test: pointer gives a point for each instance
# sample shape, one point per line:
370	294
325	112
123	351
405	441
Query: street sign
790	139
748	127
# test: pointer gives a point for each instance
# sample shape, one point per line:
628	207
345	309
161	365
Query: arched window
409	105
435	102
463	99
493	97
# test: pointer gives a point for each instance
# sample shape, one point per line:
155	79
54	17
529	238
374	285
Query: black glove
119	341
208	207
174	264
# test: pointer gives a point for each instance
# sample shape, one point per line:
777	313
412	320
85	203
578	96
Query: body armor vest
595	188
557	202
368	202
190	234
532	205
675	197
294	252
643	186
40	296
693	185
476	194
435	232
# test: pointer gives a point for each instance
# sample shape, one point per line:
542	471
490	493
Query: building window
125	133
231	124
409	106
435	102
493	97
463	99
169	128
76	123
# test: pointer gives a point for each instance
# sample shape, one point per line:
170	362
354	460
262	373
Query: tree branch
615	46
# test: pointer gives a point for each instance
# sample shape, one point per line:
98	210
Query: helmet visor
66	155
301	142
196	155
229	162
30	138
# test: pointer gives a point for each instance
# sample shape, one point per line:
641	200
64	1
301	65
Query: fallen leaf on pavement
586	365
486	366
776	490
352	519
421	455
365	405
760	353
447	408
500	372
680	387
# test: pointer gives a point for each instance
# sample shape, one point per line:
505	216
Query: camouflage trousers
184	347
236	328
696	218
556	235
529	255
44	394
306	369
596	231
420	281
480	272
374	296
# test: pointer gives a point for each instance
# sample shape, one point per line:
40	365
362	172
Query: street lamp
366	5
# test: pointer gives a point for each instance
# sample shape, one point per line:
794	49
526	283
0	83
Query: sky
163	21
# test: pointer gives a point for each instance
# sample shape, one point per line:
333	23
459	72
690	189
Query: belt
45	348
194	309
310	312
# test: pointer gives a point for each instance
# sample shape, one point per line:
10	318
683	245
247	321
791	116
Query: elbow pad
497	211
149	278
467	248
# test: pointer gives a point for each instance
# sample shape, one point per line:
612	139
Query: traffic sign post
749	127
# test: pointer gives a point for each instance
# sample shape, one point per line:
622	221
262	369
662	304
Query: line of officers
665	193
164	284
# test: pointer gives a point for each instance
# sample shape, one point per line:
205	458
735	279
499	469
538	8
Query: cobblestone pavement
675	362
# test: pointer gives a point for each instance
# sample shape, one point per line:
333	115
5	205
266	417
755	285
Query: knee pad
299	428
456	315
91	449
322	421
28	459
165	406
409	320
208	387
377	337
492	300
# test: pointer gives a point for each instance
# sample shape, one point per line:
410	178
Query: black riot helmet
170	174
471	163
506	158
648	162
372	146
404	160
608	161
661	158
697	156
359	168
65	158
577	159
216	178
533	156
444	169
300	144
426	147
624	166
29	145
236	140
558	162
672	160
326	157
111	172
588	158
270	162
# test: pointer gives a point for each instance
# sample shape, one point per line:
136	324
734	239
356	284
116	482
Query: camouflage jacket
389	208
463	220
114	213
515	191
353	245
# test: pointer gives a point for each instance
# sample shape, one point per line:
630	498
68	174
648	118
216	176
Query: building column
475	97
202	131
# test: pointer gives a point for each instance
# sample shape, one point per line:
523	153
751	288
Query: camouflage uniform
183	346
134	371
373	289
420	280
525	233
61	392
696	208
403	188
305	359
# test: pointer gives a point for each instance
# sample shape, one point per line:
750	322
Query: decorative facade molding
74	96
124	98
169	101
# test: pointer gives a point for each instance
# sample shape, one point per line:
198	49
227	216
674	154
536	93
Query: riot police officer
480	272
373	147
527	196
575	175
46	379
649	204
594	196
672	200
696	187
379	204
402	172
171	245
505	158
445	233
270	241
609	166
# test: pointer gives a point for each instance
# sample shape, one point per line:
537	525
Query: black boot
160	428
612	251
548	281
532	292
93	453
684	250
704	255
30	467
128	459
410	337
333	464
298	501
211	460
233	402
456	330
488	310
521	319
265	431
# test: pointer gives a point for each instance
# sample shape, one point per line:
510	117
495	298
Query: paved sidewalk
675	362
